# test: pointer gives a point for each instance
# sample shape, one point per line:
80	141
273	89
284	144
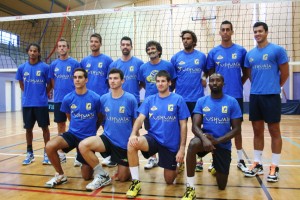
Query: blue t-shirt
164	115
35	79
229	61
189	68
97	69
119	115
264	64
130	69
83	110
62	73
148	72
217	115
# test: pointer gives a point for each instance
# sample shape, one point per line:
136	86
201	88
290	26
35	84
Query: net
149	20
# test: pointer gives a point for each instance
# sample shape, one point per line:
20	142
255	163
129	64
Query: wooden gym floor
28	182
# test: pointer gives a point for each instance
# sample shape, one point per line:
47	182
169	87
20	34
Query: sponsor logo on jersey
206	109
68	68
73	106
122	109
131	68
88	106
100	65
234	56
219	57
196	61
153	108
170	107
265	57
224	109
38	73
106	109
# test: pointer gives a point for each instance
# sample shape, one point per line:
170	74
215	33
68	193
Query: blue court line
291	141
262	185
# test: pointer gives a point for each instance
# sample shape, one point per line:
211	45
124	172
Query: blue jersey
217	115
35	79
83	110
130	69
229	61
189	68
164	115
61	71
97	69
148	72
264	64
119	115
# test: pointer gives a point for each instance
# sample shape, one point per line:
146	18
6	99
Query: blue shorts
221	159
167	158
265	107
33	114
58	115
73	143
117	154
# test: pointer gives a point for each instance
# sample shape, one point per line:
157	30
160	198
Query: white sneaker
210	167
62	157
76	162
108	163
98	182
242	166
152	162
57	180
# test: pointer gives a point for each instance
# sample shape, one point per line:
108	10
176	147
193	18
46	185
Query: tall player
227	59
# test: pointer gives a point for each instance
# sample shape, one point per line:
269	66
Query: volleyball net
149	20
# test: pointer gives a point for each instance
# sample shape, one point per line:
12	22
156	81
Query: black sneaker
255	169
274	174
242	166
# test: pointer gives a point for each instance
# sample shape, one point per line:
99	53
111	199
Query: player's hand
207	143
180	155
212	139
133	141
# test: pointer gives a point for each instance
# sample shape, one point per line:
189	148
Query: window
9	38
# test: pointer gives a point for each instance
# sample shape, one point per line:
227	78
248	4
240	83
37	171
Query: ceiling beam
34	6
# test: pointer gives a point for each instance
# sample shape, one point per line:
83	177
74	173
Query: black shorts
221	159
167	158
117	154
265	107
191	106
33	114
73	143
241	104
58	115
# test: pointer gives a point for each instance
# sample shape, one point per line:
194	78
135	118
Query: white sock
190	181
99	170
240	154
134	173
257	156
275	158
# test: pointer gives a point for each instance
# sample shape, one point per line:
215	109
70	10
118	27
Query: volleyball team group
98	91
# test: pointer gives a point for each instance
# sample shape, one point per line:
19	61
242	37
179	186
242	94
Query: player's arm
196	129
142	85
203	79
183	136
246	74
236	128
133	139
284	73
68	116
99	120
21	83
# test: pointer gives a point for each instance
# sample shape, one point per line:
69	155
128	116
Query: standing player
61	74
167	114
216	120
269	67
147	76
82	108
35	84
120	111
190	65
96	66
130	65
228	60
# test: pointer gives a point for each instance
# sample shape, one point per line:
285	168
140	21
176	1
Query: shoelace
188	191
134	183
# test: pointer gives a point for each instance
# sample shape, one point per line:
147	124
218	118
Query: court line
291	141
263	187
